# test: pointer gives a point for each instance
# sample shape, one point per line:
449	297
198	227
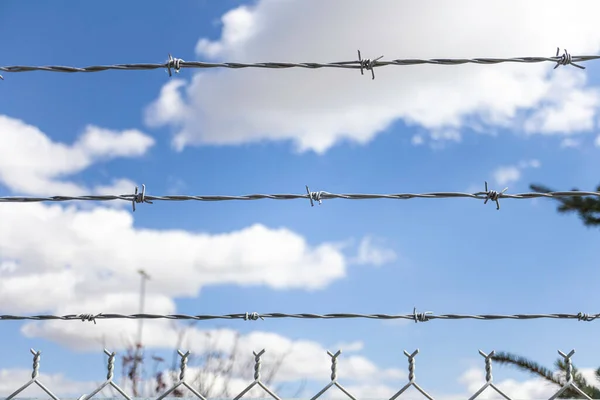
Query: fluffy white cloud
317	108
512	173
98	142
568	107
371	252
31	163
507	174
87	260
75	254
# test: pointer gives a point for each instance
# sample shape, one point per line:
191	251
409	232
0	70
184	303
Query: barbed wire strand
176	64
319	197
253	316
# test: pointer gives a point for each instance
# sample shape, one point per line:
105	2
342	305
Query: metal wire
142	197
363	64
253	316
568	383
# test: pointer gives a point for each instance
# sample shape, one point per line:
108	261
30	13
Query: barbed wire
367	64
142	197
253	316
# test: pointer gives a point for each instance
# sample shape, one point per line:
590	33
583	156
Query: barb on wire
254	316
362	64
139	197
565	59
142	197
316	196
368	64
418	317
175	63
490	195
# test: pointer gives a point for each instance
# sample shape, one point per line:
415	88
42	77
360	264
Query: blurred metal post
138	353
145	277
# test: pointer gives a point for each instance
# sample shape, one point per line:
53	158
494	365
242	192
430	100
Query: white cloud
350	347
315	109
239	26
597	141
507	174
512	173
116	186
417	140
437	138
371	252
31	163
529	164
568	108
91	258
570	143
169	106
446	135
98	142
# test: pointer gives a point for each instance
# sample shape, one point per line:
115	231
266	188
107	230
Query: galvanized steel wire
253	316
177	64
142	197
180	381
361	64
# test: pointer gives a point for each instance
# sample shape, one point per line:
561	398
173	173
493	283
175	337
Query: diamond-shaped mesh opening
333	390
347	394
255	385
412	390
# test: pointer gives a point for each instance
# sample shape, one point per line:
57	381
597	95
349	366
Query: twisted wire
417	317
311	196
361	64
570	384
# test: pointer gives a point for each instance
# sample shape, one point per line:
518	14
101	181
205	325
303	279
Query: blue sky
412	129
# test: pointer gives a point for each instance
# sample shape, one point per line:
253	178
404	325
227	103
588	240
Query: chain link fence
181	388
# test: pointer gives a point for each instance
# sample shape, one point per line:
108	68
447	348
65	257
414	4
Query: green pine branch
588	208
527	365
559	379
